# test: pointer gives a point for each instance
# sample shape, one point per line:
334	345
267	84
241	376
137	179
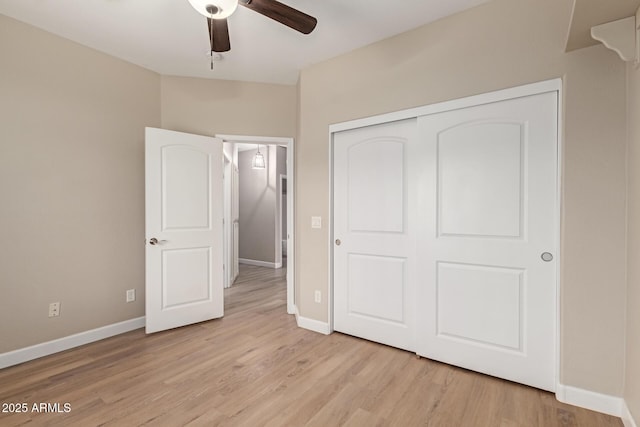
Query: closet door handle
338	242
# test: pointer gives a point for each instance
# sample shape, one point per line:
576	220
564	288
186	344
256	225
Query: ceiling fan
217	12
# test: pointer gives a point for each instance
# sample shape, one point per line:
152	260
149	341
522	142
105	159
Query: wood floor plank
255	367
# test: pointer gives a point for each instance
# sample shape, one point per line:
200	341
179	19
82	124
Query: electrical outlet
131	295
54	309
318	297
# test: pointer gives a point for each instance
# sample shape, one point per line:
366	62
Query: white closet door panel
375	194
375	180
480	180
482	305
487	299
381	276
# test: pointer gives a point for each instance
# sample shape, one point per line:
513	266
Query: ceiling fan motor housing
212	9
217	12
216	9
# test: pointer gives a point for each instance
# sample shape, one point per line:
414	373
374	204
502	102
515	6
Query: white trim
260	263
311	324
627	418
227	221
331	232
61	344
291	222
279	215
620	36
610	405
264	140
553	85
558	229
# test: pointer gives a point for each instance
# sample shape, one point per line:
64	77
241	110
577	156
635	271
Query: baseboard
627	418
311	324
260	263
293	309
50	347
610	405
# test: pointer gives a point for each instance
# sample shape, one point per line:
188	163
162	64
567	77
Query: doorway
271	148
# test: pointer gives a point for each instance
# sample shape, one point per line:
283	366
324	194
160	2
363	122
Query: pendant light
258	160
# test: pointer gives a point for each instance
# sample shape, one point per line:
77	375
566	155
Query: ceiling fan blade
219	29
282	13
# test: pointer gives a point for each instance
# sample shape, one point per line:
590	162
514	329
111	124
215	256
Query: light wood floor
256	368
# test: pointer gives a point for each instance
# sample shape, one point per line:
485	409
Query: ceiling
170	37
589	13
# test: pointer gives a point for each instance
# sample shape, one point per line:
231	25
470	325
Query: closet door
375	192
487	294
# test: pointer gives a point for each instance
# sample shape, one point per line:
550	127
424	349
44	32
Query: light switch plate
316	222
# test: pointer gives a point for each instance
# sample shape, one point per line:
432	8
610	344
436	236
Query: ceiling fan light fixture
216	9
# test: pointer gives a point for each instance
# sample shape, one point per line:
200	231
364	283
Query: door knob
338	242
546	256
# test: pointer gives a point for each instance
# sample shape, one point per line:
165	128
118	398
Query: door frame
289	143
281	214
553	85
227	194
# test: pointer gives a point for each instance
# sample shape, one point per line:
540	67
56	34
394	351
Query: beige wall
72	173
594	222
481	50
632	375
72	184
208	107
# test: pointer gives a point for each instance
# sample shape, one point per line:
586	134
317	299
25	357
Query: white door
184	250
487	299
375	189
